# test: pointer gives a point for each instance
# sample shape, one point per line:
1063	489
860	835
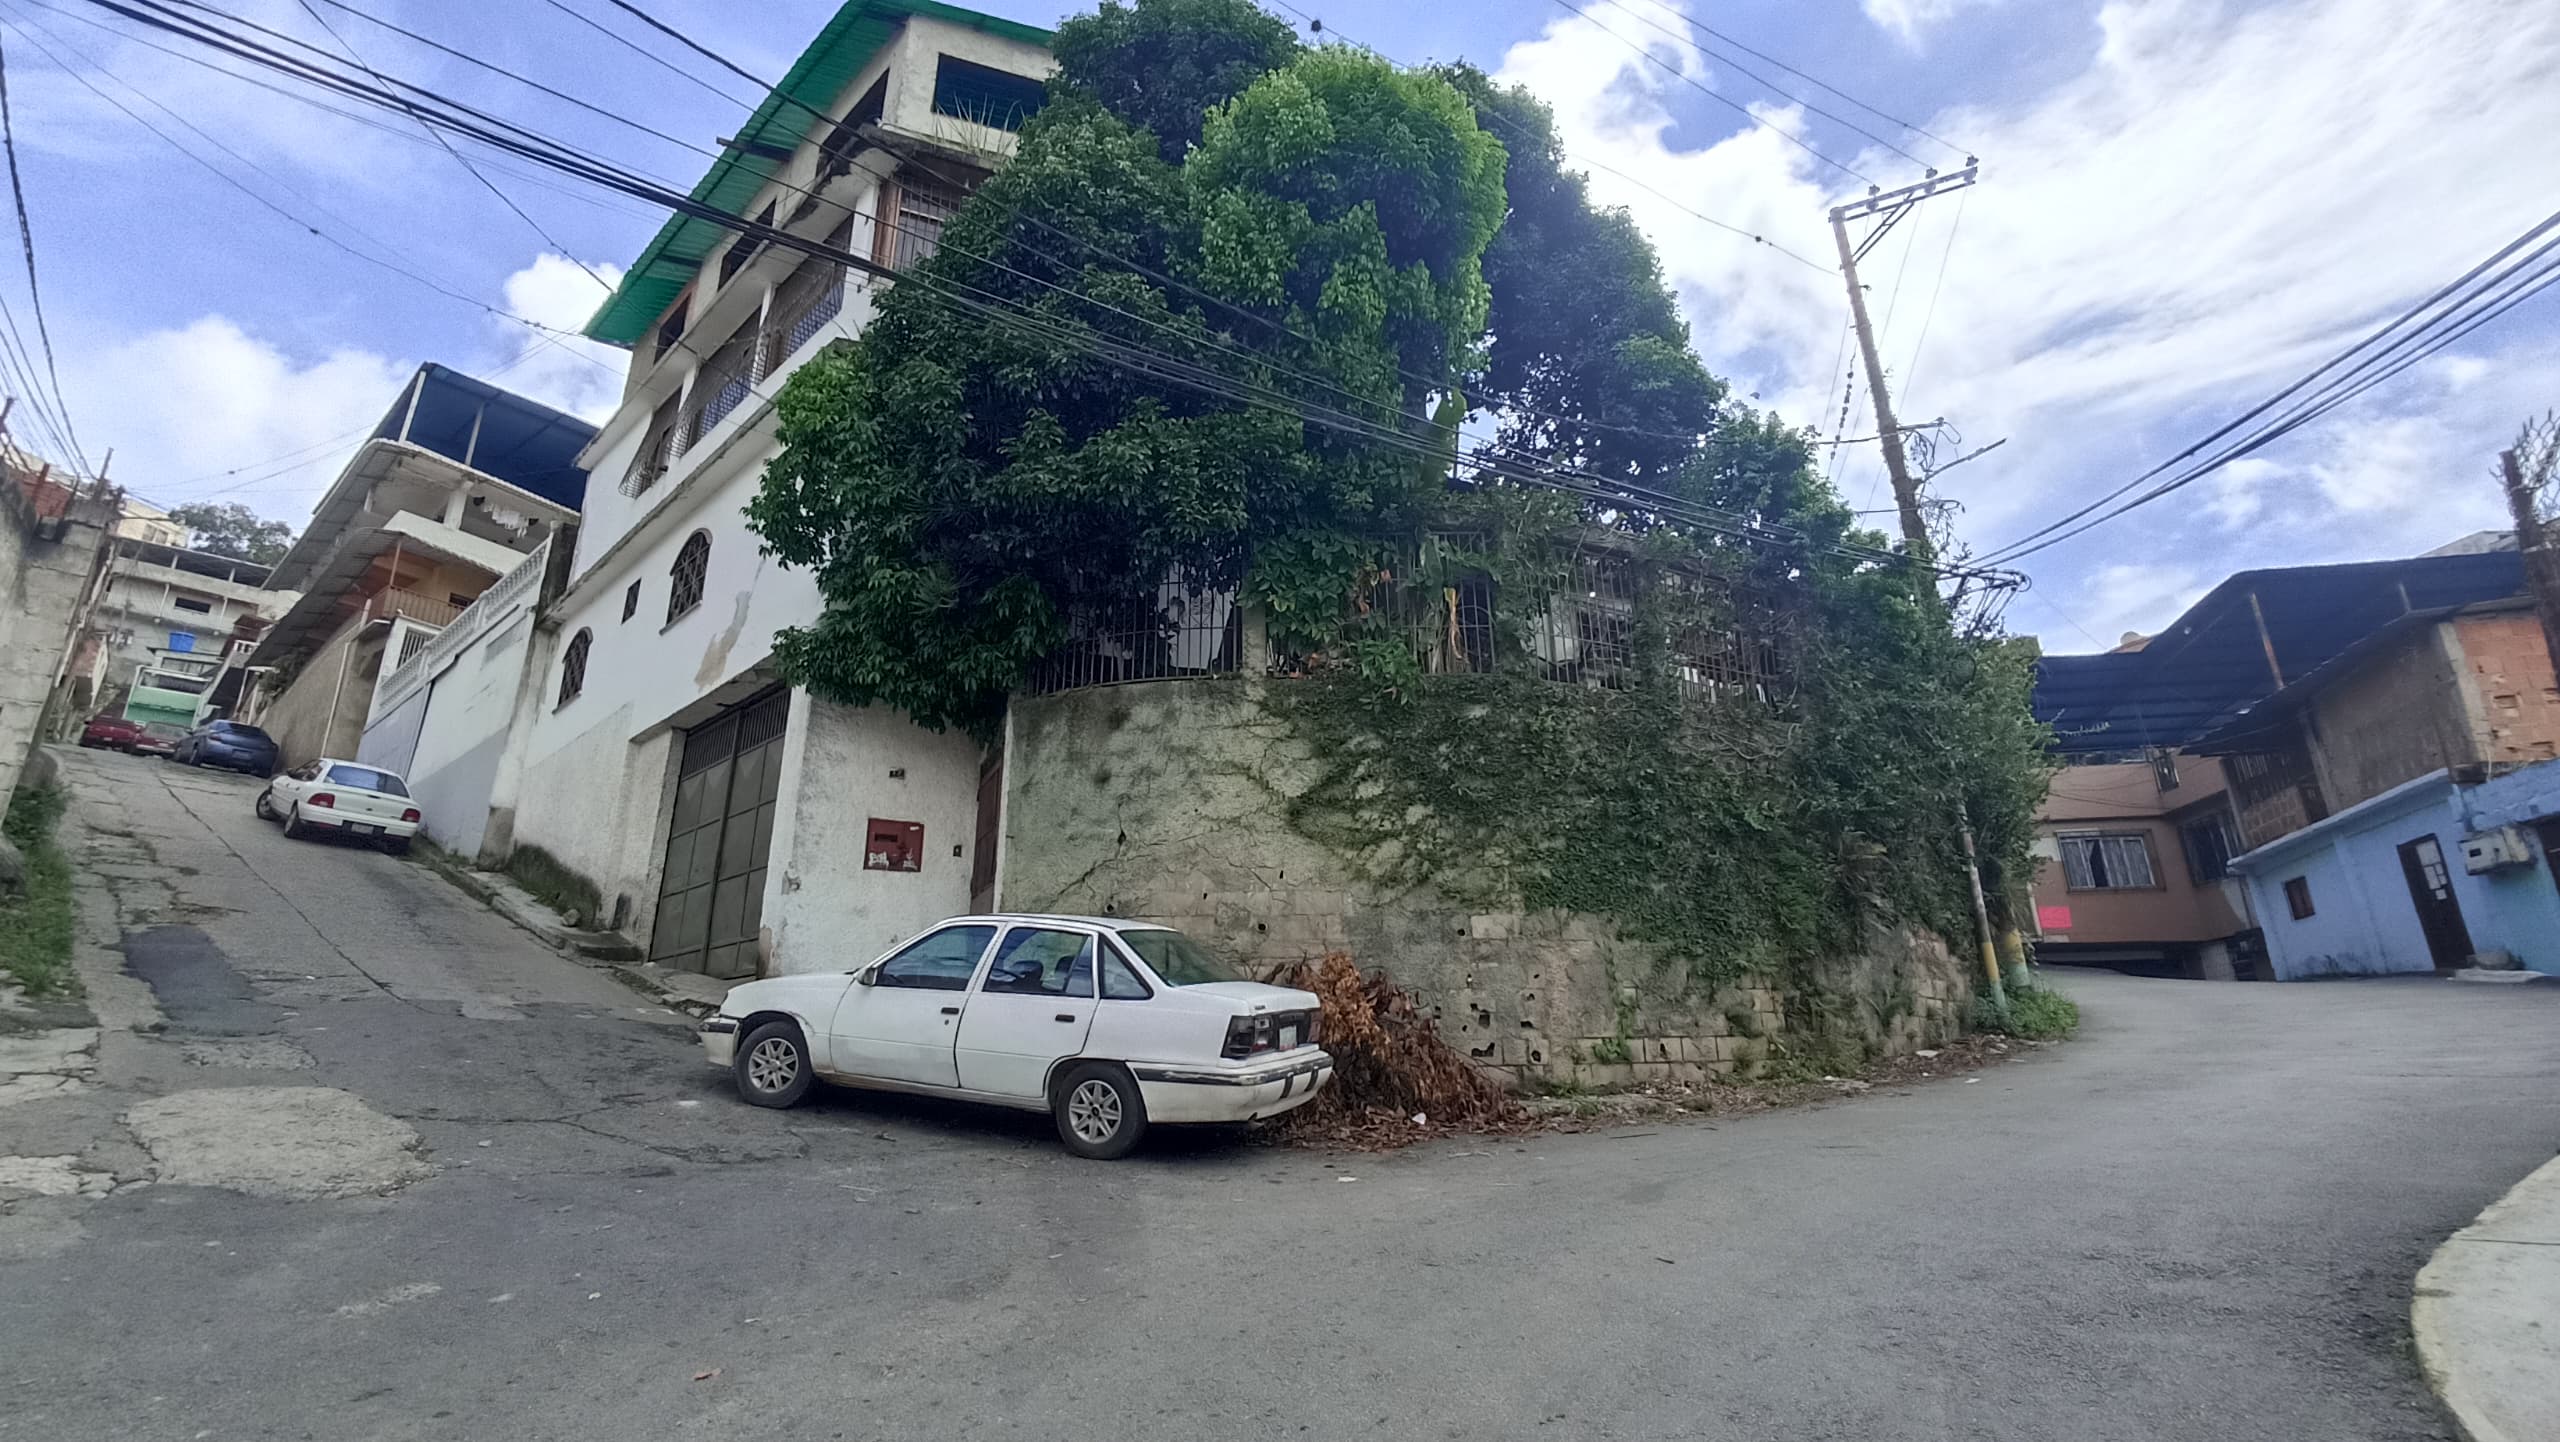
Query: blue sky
2185	202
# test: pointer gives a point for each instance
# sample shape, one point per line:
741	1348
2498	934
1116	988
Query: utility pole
1893	205
2533	537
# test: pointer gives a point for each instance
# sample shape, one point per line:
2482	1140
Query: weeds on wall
36	926
557	885
1744	833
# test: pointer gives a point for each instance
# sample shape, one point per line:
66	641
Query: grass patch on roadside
556	885
2034	1014
36	928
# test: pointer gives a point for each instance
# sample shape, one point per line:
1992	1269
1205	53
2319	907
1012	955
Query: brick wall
2395	718
1167	801
2517	704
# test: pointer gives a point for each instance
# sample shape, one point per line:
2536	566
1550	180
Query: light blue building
2424	876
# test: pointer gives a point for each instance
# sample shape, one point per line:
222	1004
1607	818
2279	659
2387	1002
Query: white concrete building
733	825
167	614
459	482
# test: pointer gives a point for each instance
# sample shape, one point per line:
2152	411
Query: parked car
1110	1026
352	799
159	738
234	744
108	732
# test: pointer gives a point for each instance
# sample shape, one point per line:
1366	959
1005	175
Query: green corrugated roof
848	42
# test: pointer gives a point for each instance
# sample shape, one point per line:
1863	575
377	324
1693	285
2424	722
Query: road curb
610	950
2486	1316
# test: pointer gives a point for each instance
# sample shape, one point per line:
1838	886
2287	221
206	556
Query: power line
459	158
2333	362
1519	134
1721	98
27	242
542	332
1155	364
2316	404
1809	79
643	52
1913	368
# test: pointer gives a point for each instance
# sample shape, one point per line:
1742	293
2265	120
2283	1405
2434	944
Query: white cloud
582	377
214	410
209	410
2218	199
1906	19
2131	596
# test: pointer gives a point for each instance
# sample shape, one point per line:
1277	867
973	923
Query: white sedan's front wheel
1099	1110
773	1066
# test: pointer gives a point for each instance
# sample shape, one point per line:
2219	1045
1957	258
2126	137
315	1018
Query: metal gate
711	902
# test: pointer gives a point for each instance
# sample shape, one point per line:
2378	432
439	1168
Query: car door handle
951	1011
1066	1016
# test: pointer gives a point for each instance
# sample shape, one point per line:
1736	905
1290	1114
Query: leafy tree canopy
1163	65
957	474
1589	363
231	529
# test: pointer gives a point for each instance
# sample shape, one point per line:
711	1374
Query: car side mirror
868	976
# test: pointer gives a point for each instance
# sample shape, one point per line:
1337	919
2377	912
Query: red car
114	733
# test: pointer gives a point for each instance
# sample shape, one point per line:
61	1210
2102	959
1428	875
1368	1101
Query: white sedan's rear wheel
1099	1110
266	804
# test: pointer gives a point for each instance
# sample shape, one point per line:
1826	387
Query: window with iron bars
666	439
913	208
745	248
802	306
722	383
1188	626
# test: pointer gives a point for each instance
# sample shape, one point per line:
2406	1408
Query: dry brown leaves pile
1389	1066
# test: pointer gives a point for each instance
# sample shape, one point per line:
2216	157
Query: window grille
1188	626
666	439
2107	862
573	666
691	571
915	208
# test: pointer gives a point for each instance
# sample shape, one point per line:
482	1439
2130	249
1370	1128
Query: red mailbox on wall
893	845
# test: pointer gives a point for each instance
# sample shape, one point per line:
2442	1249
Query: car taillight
325	798
409	815
1247	1035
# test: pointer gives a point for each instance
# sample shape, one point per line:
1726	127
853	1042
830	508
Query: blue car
230	744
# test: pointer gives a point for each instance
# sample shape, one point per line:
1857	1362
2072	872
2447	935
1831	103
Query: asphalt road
2198	1221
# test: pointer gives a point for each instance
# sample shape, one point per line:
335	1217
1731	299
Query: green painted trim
842	49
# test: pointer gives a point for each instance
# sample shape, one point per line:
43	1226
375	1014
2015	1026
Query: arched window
693	564
573	666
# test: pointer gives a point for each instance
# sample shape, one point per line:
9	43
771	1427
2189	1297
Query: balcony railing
389	602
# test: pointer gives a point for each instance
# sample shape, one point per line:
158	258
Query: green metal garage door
711	902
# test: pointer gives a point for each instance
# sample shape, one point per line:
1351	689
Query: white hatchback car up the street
1108	1025
365	802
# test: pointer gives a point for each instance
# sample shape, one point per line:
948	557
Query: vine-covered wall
1585	885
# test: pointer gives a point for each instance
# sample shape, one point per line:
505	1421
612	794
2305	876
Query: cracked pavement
346	1155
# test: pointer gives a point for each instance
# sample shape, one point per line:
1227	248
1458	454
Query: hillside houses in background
2281	783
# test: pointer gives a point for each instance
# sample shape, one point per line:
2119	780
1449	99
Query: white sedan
347	797
1108	1025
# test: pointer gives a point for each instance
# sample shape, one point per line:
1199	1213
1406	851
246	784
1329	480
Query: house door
711	900
2439	913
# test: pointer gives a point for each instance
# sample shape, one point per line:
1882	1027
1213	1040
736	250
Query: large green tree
1588	363
985	453
1163	65
231	529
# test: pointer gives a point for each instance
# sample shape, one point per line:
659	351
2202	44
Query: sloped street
523	1208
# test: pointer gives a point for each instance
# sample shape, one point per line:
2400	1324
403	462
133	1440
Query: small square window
631	601
456	598
2297	897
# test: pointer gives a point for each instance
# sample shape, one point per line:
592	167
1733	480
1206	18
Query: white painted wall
822	910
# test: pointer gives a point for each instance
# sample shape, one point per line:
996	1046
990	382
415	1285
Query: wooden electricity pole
1893	205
